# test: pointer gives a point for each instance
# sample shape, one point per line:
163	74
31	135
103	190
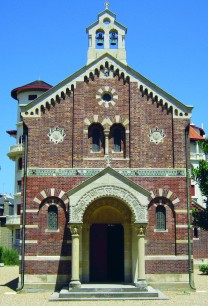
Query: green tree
200	174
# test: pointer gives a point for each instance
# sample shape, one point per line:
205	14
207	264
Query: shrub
9	257
1	252
203	269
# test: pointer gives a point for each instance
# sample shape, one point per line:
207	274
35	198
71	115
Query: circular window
106	97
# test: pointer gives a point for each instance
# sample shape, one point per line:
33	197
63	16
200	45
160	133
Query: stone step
132	293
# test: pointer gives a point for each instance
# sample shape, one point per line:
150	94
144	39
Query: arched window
96	140
52	217
117	132
96	132
117	140
113	39
100	39
160	218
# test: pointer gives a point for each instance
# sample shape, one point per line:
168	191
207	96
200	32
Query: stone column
106	133
75	232
141	278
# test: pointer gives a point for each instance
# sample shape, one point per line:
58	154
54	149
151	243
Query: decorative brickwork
128	176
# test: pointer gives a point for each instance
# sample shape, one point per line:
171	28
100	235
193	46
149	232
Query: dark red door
106	253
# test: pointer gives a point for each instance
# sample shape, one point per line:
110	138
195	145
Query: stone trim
30	226
168	194
51	192
32	211
139	212
106	121
30	241
183	241
89	172
166	257
47	258
182	211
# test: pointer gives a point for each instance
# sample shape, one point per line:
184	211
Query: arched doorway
107	241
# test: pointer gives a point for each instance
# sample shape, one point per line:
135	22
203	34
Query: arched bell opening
113	39
100	35
106	242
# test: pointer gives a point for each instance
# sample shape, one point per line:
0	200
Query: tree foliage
200	174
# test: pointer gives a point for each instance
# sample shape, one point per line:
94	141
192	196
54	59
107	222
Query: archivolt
51	192
139	211
164	193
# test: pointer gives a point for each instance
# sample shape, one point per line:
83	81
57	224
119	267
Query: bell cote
106	35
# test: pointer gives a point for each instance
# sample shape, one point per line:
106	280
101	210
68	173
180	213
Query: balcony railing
197	156
12	220
15	150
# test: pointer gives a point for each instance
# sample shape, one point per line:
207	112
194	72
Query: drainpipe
25	134
190	270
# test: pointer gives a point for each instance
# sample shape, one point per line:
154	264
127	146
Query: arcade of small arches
113	71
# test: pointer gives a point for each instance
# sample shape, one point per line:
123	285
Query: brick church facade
105	187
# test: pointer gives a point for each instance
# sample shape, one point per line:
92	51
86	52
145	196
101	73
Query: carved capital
75	229
140	229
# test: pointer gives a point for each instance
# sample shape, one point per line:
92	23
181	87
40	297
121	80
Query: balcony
13	220
15	150
197	156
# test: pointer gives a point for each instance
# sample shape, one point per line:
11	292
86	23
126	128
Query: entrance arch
106	242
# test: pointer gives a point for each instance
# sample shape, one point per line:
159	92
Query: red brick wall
144	114
200	245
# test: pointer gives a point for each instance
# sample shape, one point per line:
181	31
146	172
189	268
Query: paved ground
8	296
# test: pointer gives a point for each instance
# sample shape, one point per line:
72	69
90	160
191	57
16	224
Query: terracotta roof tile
194	135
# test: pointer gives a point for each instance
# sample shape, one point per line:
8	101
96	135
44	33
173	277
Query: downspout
25	135
190	269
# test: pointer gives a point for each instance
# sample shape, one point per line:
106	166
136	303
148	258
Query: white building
23	95
196	134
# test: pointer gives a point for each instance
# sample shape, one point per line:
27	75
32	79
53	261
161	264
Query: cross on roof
107	4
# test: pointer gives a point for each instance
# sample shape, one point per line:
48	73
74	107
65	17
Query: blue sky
167	42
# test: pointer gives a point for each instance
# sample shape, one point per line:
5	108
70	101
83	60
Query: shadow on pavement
12	284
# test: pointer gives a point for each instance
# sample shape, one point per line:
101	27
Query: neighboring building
199	202
9	226
196	154
106	187
23	95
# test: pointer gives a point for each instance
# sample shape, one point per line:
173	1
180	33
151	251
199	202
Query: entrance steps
107	292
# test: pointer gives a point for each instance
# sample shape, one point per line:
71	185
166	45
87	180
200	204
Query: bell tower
106	35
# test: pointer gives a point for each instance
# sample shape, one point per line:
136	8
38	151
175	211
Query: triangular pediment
108	183
34	108
109	175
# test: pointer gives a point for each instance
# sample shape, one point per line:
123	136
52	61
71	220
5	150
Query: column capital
75	229
106	133
140	229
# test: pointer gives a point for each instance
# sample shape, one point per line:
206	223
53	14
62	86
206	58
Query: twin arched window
117	134
100	38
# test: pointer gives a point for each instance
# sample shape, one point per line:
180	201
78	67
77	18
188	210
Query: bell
100	40
113	41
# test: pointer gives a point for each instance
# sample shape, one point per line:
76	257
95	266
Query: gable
113	67
108	183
